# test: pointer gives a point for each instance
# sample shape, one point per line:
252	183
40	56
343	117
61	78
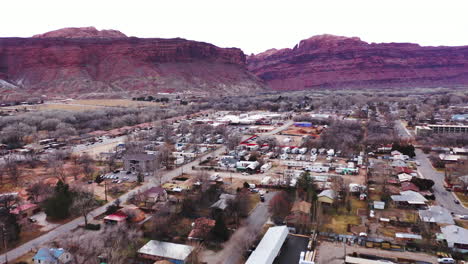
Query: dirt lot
333	253
303	131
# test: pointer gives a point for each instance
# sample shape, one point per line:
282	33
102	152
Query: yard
463	198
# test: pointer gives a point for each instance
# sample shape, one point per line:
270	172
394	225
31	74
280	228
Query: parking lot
291	250
120	176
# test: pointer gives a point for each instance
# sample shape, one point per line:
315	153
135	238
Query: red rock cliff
332	61
90	66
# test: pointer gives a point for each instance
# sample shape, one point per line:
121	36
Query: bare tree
87	163
115	244
83	203
39	191
12	168
233	140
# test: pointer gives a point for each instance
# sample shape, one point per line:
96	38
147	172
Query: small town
378	181
240	132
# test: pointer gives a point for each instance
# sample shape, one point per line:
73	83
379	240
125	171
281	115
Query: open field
83	105
114	103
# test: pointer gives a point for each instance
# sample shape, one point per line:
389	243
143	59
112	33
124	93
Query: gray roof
411	197
222	203
166	250
455	234
436	214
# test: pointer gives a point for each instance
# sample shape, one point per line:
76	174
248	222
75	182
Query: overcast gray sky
252	25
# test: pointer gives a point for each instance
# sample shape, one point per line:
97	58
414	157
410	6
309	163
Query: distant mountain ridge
86	62
342	62
81	32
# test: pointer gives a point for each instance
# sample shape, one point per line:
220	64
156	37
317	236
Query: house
409	186
222	203
118	217
159	250
300	216
327	196
201	228
141	162
52	256
247	165
404	177
25	210
155	194
456	237
409	198
436	214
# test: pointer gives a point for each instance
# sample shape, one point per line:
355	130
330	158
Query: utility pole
4	234
105	189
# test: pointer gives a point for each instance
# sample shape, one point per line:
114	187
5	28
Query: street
279	129
443	197
232	251
402	131
68	227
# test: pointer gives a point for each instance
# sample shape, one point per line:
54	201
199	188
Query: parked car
262	198
456	201
445	260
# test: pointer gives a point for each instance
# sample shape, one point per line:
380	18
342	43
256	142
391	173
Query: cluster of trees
380	133
346	136
64	202
21	129
405	149
114	244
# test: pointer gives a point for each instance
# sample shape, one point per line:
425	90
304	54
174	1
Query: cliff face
96	66
332	61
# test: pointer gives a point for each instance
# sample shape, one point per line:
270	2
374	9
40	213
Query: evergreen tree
58	206
220	229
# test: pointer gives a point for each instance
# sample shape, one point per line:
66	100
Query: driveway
68	227
443	197
232	252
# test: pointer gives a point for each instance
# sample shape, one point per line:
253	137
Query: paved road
279	129
443	197
402	131
233	252
68	227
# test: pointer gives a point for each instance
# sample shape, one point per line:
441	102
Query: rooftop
436	214
455	234
166	250
269	247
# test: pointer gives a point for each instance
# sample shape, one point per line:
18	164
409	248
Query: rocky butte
341	62
86	62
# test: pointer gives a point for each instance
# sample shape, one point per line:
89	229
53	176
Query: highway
68	227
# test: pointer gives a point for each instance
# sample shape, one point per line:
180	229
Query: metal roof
269	247
166	250
436	214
